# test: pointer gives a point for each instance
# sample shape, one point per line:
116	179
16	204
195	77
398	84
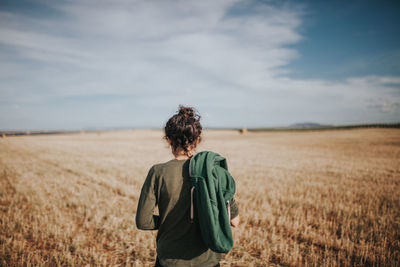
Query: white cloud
162	53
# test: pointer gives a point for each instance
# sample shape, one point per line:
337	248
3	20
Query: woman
179	242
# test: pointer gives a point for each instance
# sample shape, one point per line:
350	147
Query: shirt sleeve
234	208
145	218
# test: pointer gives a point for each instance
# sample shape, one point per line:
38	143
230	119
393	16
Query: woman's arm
145	218
234	213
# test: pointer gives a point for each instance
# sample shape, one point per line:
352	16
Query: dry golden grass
324	198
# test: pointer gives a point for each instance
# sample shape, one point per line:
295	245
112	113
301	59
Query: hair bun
183	130
187	112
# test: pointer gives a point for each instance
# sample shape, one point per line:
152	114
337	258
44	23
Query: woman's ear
197	141
168	141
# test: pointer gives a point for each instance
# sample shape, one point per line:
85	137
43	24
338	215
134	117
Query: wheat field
312	198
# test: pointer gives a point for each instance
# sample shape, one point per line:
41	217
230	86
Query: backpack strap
191	195
229	210
191	205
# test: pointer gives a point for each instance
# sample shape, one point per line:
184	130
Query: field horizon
314	198
307	126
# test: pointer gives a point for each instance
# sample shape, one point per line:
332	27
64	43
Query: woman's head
183	130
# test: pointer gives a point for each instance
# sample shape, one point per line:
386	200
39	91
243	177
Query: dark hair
183	129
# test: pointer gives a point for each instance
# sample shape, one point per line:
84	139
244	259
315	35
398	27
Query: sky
67	65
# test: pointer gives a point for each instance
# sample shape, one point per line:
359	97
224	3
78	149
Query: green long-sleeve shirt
179	241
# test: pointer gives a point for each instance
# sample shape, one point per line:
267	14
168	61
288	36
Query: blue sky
100	64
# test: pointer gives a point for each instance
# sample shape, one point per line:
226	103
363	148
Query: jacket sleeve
145	220
234	208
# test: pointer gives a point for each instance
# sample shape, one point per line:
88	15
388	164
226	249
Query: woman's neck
181	154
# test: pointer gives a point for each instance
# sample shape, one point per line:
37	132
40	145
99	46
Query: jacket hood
213	168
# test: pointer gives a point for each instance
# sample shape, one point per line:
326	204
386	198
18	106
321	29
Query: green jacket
214	188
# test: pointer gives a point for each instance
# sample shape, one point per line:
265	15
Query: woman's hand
235	221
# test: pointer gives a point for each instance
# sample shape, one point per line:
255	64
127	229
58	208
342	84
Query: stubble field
323	198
